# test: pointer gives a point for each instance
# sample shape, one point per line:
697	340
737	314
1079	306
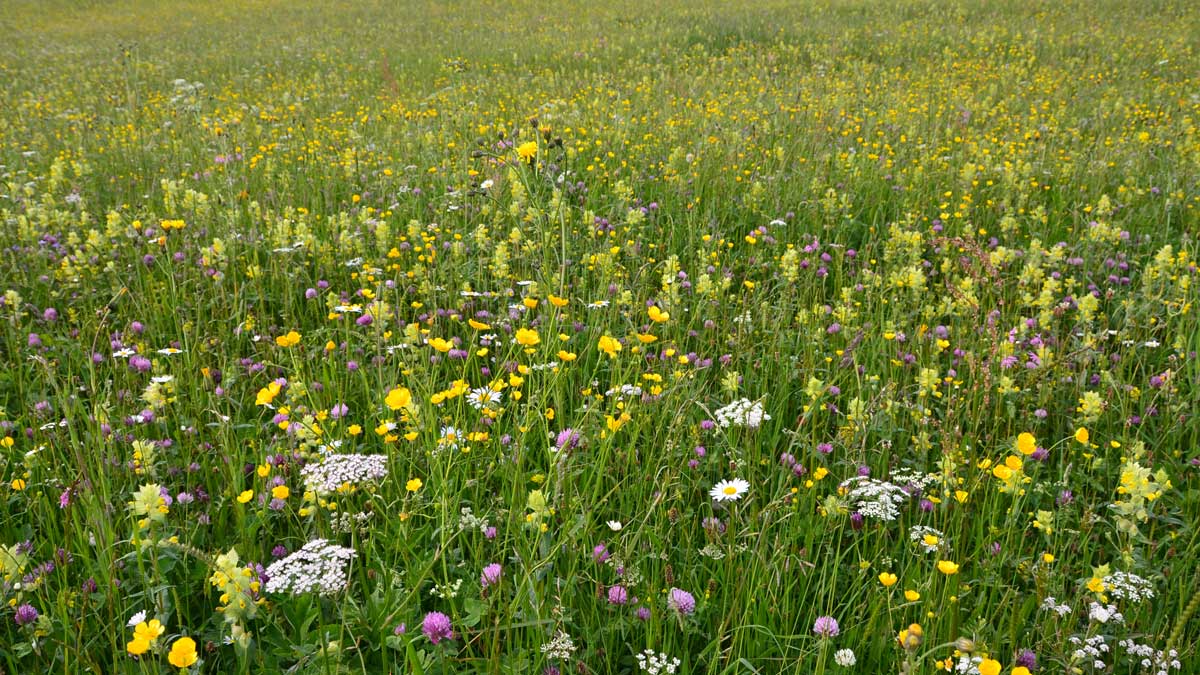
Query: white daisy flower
167	351
615	525
124	353
136	619
729	490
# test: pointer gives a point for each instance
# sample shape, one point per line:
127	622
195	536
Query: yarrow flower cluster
318	566
1092	649
1126	586
875	498
1052	605
1105	614
1157	661
656	662
335	471
741	413
561	647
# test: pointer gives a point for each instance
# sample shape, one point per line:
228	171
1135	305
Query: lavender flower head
490	576
568	439
681	601
436	627
826	626
25	615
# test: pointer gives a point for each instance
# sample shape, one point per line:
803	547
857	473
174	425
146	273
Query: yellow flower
1026	444
245	496
528	337
645	338
527	150
183	652
947	567
280	492
657	315
989	667
477	325
558	302
887	579
18	484
609	346
1081	435
565	355
911	595
1020	670
398	398
441	345
413	484
149	630
289	340
267	394
137	646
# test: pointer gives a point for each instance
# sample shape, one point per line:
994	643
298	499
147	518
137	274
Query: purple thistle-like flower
642	613
600	553
617	595
568	439
1027	659
490	575
26	614
826	626
681	601
436	627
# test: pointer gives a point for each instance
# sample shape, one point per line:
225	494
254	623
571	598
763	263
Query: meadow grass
511	337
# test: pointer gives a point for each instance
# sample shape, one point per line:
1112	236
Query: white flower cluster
345	522
741	413
337	470
1103	614
447	591
1051	605
845	658
656	662
875	498
1093	649
625	391
1154	660
561	647
467	520
913	479
1128	587
918	535
318	566
968	665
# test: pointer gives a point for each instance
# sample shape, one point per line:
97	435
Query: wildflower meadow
500	336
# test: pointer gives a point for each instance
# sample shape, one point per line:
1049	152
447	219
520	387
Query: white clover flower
845	658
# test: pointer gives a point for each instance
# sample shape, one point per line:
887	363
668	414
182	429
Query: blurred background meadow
623	337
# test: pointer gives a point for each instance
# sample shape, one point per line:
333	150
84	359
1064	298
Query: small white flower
168	351
487	184
845	658
136	619
615	525
124	353
729	490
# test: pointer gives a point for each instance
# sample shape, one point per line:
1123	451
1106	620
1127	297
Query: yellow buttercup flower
887	579
183	652
398	398
528	337
291	339
989	667
1081	435
947	567
1026	444
609	346
657	315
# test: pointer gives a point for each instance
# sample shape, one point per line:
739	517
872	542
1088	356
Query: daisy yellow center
730	490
